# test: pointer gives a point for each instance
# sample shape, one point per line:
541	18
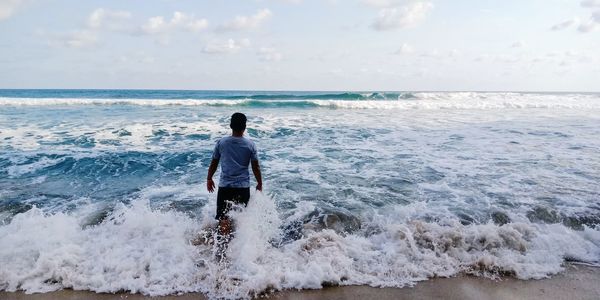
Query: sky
335	45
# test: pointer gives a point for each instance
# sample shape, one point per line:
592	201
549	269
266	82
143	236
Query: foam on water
136	249
416	101
139	249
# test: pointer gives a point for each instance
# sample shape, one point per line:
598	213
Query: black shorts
228	195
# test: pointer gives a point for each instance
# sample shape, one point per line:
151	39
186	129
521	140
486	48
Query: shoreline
576	282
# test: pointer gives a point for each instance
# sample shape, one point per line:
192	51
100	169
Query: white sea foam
456	100
142	102
138	249
21	169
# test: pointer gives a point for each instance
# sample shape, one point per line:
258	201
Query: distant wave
328	96
467	100
201	95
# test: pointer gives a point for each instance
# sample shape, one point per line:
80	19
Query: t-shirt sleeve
216	153
253	151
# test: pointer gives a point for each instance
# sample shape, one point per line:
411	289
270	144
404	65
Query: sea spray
136	249
139	249
421	101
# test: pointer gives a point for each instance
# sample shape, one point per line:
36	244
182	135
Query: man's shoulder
241	138
229	138
250	142
224	139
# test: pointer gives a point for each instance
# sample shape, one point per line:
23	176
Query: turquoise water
378	188
192	94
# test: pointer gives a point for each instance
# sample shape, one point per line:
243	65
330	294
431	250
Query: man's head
238	122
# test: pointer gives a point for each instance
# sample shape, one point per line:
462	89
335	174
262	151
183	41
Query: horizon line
303	90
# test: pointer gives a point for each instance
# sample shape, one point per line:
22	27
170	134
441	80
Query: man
235	153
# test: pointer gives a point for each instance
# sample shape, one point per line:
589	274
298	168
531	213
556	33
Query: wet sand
577	282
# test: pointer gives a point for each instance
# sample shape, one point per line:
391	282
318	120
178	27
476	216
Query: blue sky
526	45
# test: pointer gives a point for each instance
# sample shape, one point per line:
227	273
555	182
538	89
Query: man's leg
225	197
223	237
225	226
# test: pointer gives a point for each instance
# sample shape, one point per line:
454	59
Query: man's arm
210	184
257	174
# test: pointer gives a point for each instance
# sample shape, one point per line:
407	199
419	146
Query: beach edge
576	282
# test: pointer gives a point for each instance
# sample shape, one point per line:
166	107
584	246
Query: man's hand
210	185
257	175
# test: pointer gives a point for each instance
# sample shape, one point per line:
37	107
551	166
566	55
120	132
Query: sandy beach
577	282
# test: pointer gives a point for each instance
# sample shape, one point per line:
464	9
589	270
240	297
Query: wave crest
347	101
139	249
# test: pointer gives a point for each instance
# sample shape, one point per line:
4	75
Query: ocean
105	190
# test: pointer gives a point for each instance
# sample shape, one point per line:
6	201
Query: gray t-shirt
235	154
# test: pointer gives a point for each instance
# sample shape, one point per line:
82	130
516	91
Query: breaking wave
342	101
153	251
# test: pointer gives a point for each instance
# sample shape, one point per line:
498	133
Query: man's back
235	154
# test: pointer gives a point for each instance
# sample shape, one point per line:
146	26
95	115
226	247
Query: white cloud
228	47
269	54
403	16
103	17
596	16
590	3
8	8
592	24
404	49
588	26
565	24
76	39
155	25
247	22
85	38
385	3
137	58
179	21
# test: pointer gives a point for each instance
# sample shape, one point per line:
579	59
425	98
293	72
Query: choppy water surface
103	190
